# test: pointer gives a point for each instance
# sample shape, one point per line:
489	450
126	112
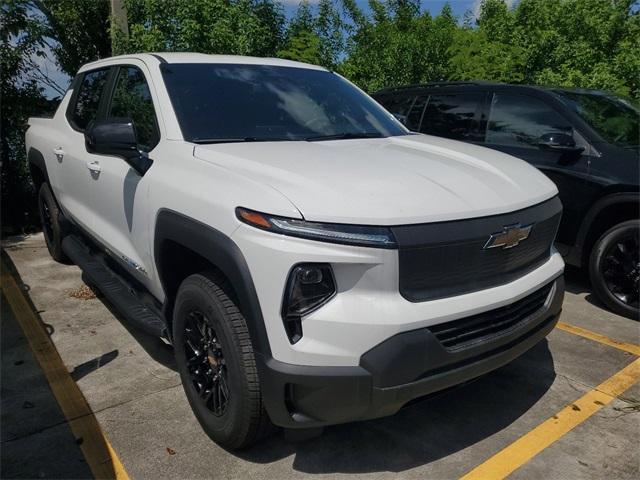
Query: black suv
586	141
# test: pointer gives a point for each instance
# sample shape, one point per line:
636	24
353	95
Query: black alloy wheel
615	268
215	359
206	363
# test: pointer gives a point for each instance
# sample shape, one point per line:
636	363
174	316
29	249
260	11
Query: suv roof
482	83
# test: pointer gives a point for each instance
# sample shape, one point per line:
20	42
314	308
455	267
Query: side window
398	105
453	116
132	99
88	98
520	121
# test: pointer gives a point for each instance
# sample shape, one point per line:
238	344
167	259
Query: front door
119	194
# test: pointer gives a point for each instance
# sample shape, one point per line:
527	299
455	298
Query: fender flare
593	212
36	160
224	254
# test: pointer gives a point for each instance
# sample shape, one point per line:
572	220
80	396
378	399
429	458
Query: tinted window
453	116
613	118
518	120
415	115
232	102
132	99
398	105
88	98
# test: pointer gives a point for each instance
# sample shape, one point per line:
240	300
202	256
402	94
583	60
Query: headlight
362	235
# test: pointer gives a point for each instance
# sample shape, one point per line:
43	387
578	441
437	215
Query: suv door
75	162
516	123
119	195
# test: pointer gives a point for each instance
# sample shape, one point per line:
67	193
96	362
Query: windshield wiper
208	141
345	136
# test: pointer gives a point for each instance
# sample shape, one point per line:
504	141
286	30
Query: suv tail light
308	287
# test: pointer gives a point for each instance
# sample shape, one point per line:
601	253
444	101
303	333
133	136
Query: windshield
230	102
614	119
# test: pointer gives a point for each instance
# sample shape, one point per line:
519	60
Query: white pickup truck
311	260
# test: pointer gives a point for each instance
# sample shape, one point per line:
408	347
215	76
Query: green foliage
80	29
573	43
20	93
240	27
315	38
398	45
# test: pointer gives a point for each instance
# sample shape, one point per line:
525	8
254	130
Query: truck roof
193	57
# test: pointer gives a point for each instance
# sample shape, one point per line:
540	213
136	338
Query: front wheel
217	366
614	268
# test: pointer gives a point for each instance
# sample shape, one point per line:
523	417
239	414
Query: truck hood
385	181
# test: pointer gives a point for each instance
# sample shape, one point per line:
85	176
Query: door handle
59	153
93	166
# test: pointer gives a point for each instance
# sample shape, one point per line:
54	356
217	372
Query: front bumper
299	396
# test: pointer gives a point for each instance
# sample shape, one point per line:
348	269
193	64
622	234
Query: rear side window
132	99
520	121
453	116
88	98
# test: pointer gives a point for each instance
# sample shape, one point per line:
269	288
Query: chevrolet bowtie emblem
510	236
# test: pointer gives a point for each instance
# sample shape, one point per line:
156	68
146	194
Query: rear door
119	193
515	124
73	160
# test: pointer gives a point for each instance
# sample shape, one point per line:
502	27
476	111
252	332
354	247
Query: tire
50	220
614	268
205	313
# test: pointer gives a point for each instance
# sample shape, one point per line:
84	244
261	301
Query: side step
114	289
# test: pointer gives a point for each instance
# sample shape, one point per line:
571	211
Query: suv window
88	98
132	99
453	116
398	105
519	120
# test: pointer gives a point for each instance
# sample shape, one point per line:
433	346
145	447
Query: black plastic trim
224	254
36	160
158	57
298	396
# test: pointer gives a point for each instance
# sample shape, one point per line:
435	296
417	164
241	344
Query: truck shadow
423	432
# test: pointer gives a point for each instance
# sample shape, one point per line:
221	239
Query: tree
315	38
21	95
397	45
241	27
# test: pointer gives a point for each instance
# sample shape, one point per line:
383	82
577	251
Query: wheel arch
183	246
604	214
37	168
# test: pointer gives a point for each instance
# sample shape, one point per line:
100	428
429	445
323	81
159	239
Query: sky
459	7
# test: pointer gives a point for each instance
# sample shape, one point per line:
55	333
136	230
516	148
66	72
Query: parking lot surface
568	408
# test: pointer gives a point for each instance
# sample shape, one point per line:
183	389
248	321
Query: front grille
444	259
466	332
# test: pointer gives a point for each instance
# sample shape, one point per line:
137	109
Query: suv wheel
217	366
50	220
614	268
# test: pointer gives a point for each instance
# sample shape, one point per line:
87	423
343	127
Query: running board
114	289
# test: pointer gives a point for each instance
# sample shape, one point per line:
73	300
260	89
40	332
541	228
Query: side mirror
117	137
559	142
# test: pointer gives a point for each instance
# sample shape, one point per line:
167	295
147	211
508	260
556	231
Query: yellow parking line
101	458
528	446
596	337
